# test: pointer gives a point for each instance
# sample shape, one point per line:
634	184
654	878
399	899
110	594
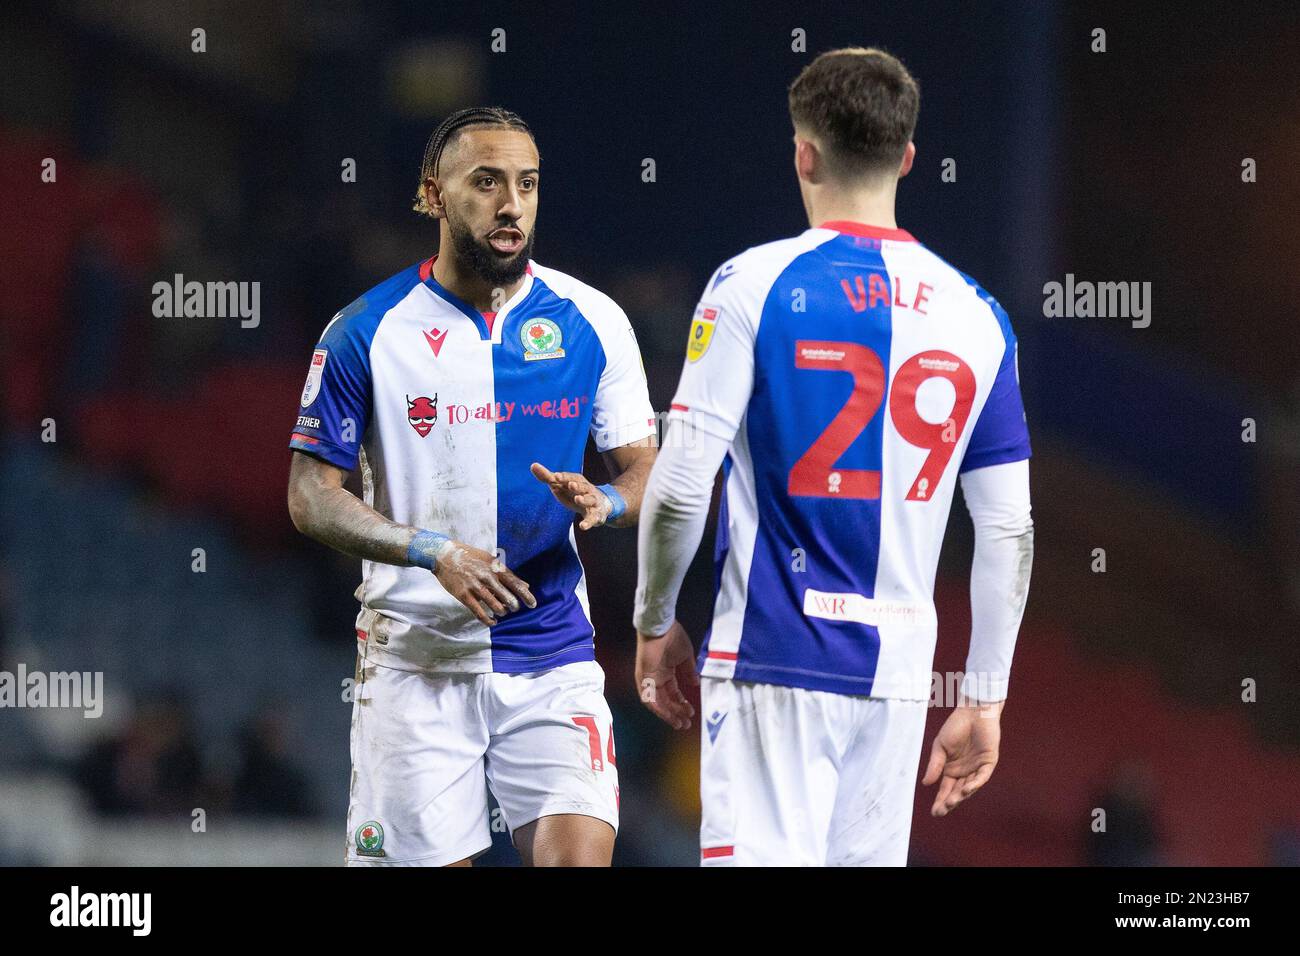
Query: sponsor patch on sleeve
706	317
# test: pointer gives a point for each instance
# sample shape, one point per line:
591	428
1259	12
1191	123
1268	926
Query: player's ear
909	157
433	198
806	159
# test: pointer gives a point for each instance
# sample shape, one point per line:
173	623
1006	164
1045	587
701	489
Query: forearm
631	485
674	510
337	518
998	499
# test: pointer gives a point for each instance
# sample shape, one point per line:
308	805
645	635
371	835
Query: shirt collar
867	231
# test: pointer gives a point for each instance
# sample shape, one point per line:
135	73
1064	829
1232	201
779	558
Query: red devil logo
422	413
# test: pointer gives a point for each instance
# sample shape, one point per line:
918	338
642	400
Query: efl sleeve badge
701	333
314	374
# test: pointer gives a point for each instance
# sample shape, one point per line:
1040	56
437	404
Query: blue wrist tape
616	500
423	549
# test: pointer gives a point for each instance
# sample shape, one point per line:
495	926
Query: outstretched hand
576	493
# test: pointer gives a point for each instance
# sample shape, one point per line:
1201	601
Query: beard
484	261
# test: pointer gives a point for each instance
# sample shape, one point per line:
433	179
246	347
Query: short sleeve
334	409
621	413
1000	434
718	373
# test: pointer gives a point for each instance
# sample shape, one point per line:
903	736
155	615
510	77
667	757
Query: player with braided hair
475	658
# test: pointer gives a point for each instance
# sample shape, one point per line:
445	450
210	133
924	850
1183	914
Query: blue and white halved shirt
445	408
855	374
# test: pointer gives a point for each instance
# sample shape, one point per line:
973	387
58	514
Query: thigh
769	763
872	824
419	793
565	839
552	754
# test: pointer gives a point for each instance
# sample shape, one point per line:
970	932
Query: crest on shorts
369	839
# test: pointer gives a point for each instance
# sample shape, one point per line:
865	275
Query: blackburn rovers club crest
541	338
370	839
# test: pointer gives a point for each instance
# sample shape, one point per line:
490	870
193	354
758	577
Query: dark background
224	688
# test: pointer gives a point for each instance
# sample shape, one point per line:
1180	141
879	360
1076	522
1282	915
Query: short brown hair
862	105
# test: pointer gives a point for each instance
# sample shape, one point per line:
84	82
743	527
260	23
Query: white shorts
794	777
426	747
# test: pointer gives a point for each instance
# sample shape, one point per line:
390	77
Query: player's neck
870	207
464	284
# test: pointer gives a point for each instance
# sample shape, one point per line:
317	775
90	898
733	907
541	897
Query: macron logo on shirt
725	273
435	338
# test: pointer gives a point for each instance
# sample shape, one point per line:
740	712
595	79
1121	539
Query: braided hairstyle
447	129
